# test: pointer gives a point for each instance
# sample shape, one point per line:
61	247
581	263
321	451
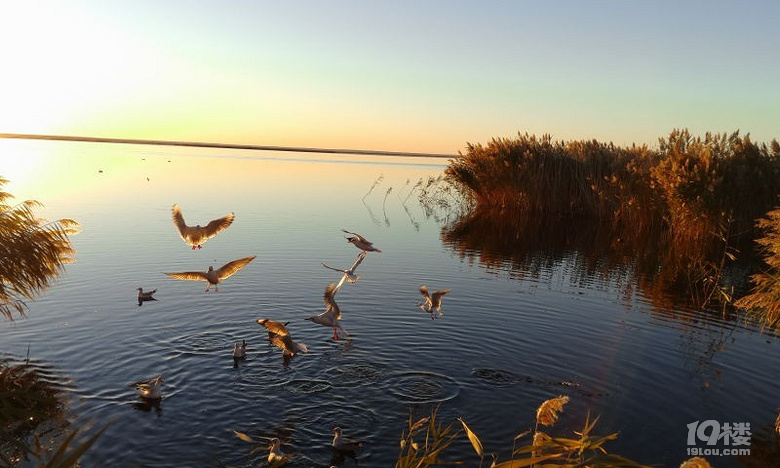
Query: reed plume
763	302
695	462
777	424
547	413
32	252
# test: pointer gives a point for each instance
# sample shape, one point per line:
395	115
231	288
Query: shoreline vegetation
201	144
694	215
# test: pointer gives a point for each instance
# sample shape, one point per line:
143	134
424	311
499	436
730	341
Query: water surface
508	340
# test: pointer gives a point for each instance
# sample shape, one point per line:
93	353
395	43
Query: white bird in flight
212	276
349	274
197	235
332	314
360	242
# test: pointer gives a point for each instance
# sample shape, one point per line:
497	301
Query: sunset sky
417	76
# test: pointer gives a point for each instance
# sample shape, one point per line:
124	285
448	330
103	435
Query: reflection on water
33	408
538	309
672	272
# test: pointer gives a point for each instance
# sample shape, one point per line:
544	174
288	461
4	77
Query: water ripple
419	387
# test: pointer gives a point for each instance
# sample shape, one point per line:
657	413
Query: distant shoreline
198	144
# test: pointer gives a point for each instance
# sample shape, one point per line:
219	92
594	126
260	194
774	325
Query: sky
419	76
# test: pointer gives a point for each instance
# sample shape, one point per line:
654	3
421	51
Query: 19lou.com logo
730	438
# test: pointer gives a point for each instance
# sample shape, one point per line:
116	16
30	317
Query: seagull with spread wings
279	336
360	242
432	302
332	314
212	276
349	274
197	235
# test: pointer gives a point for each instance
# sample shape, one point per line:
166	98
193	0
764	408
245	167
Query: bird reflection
147	406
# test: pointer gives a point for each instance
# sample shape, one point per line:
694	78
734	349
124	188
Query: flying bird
279	336
197	235
275	455
212	276
332	314
432	303
349	274
149	389
360	242
145	296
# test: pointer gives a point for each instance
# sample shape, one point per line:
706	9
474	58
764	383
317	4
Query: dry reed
547	413
32	252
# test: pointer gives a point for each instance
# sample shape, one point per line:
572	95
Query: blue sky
406	76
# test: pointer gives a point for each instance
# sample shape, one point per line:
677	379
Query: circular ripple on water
208	342
264	378
355	374
423	387
307	385
312	424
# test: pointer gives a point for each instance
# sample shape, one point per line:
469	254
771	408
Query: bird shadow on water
147	406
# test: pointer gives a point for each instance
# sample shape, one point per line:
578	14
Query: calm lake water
509	339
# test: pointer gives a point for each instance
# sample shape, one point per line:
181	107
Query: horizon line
200	144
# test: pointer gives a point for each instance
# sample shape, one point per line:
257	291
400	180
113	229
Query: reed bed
682	186
680	214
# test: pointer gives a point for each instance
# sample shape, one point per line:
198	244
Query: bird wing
436	297
424	291
178	221
331	268
338	286
189	275
147	382
283	341
327	318
218	225
330	300
360	258
227	270
361	238
274	327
